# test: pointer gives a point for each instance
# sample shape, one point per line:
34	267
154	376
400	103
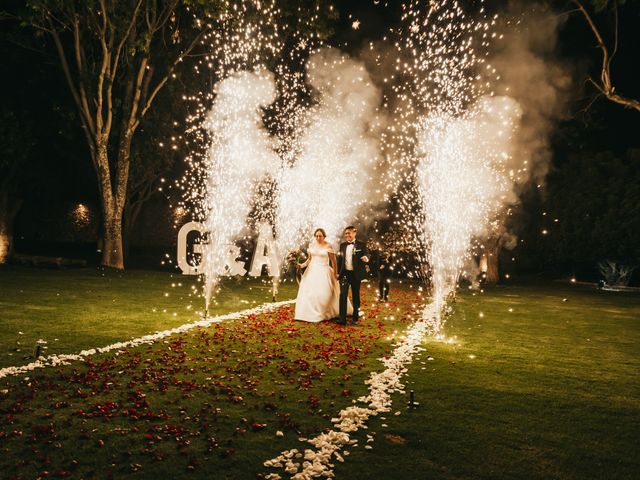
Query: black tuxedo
384	269
351	278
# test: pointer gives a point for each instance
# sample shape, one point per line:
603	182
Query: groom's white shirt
348	257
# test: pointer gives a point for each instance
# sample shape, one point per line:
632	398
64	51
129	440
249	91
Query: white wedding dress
319	293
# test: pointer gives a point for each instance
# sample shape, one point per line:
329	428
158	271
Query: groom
353	268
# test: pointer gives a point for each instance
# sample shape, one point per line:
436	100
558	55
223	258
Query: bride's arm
306	263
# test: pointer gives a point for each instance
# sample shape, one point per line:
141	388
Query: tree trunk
9	208
492	253
112	207
112	253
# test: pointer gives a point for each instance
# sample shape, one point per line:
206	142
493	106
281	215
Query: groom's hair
351	227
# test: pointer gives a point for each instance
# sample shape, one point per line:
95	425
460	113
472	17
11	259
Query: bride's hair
321	230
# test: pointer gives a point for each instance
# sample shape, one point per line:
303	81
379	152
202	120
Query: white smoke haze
532	74
332	179
241	154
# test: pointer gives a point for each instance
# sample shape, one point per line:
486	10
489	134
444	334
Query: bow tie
351	243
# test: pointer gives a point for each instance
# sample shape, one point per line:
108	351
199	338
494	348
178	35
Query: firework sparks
463	182
316	144
453	142
240	156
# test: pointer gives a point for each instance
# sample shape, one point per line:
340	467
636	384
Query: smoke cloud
338	152
531	73
464	157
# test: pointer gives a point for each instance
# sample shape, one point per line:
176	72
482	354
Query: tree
498	239
116	57
605	84
493	247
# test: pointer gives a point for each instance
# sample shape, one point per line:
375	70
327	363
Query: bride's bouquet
294	259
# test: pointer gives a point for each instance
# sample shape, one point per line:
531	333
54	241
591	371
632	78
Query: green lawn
540	382
207	403
543	383
76	309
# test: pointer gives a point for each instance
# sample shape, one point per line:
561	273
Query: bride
319	293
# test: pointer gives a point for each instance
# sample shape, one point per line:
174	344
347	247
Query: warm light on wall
4	248
179	213
81	215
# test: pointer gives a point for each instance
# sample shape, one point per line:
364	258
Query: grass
76	309
540	382
206	403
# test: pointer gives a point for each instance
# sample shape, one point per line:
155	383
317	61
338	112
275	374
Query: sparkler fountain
240	155
464	185
457	138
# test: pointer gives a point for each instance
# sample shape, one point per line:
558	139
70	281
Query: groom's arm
365	257
365	253
333	262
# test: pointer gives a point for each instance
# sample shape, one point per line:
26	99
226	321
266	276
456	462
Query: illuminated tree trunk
113	199
112	254
131	214
9	208
492	252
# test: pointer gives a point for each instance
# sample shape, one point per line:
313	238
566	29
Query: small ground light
412	403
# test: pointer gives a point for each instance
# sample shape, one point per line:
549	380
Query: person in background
384	271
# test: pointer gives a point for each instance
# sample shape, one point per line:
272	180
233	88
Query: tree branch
606	86
106	61
165	78
84	102
123	41
137	93
83	107
615	33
